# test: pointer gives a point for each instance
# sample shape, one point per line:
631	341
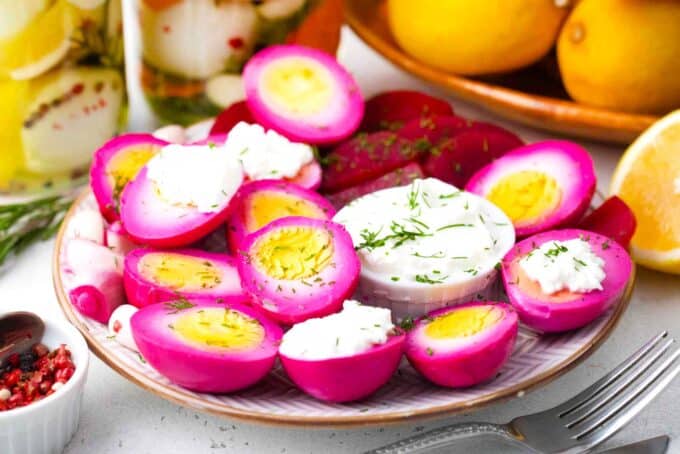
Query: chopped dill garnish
580	262
178	306
556	250
407	324
425	279
452	226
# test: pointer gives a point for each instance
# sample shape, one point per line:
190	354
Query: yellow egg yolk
220	328
124	166
268	206
526	196
298	86
291	253
463	322
178	271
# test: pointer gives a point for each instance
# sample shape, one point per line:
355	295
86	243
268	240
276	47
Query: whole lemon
476	37
623	54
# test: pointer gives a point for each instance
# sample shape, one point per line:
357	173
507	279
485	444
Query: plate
533	96
536	360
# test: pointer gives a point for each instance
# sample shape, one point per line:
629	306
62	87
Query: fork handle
444	436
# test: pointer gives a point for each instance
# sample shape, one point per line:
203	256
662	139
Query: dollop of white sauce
267	154
201	176
355	329
559	265
428	232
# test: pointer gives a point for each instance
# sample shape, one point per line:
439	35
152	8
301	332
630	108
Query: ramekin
46	426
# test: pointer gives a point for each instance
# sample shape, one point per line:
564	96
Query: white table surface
120	417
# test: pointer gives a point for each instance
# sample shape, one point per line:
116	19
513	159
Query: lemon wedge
40	45
647	178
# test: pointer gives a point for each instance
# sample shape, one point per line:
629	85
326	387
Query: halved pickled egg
302	93
180	195
563	279
297	268
260	202
461	346
206	346
152	276
115	164
344	356
540	186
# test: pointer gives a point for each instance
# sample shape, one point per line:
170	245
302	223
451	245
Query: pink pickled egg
464	345
541	186
344	356
115	164
152	218
302	93
296	268
260	202
152	276
565	310
206	346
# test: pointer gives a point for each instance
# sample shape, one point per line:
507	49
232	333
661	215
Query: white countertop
120	417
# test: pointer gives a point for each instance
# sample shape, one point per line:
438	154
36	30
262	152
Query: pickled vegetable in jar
193	51
62	89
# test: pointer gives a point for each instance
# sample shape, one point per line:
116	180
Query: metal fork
578	424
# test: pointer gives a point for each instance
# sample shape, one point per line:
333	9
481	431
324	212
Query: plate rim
185	399
574	118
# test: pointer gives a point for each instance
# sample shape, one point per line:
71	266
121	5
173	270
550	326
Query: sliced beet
391	110
613	219
366	157
230	117
398	177
428	131
455	160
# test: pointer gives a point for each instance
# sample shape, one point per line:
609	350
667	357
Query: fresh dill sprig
22	224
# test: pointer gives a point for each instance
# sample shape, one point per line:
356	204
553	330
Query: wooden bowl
534	96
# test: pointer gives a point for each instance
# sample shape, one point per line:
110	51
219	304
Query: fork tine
633	401
590	406
600	385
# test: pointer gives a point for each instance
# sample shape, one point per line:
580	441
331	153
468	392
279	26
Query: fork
580	423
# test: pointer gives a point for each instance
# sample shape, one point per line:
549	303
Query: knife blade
656	445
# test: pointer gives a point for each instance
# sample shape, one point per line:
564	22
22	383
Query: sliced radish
302	93
94	278
456	160
153	276
230	117
345	356
116	164
366	157
539	186
178	213
399	177
260	202
117	239
565	309
391	110
298	268
207	346
613	219
464	345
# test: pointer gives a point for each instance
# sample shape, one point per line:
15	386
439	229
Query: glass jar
62	89
193	51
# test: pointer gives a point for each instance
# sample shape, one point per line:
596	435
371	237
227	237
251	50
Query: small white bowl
48	425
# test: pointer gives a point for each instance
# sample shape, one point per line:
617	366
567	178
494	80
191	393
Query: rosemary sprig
22	224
